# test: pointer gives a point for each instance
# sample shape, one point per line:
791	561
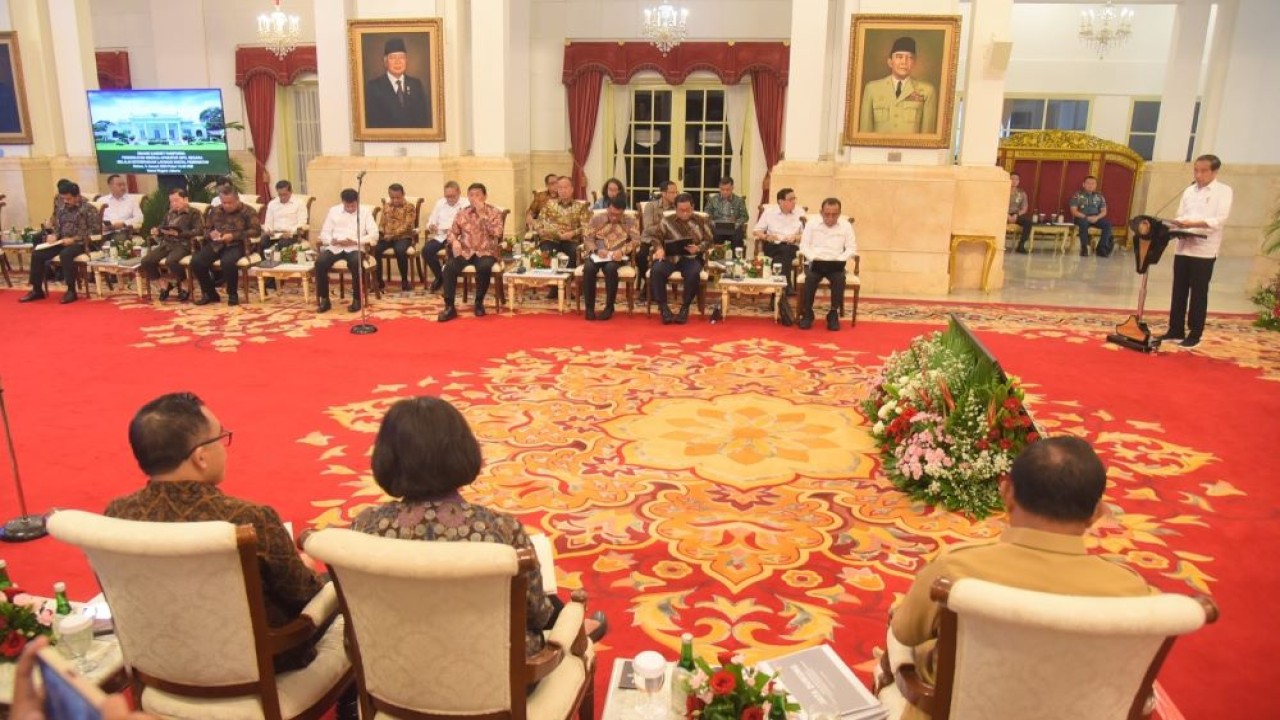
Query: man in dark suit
393	99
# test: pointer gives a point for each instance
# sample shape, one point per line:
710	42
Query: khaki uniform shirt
1022	558
914	110
1017	201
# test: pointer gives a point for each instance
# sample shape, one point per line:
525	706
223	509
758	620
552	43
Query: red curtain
113	74
584	103
260	103
771	98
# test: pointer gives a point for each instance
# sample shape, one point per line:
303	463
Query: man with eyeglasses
182	447
780	227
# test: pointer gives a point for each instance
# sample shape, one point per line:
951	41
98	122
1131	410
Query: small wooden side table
536	278
957	241
773	287
101	268
302	272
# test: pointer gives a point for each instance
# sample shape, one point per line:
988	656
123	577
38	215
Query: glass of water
75	634
777	270
651	669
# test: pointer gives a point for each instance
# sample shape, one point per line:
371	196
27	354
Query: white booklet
546	561
816	677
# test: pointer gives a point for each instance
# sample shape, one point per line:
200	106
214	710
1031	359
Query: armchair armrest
323	606
314	617
543	664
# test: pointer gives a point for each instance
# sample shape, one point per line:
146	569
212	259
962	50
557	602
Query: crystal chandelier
1106	28
665	26
279	32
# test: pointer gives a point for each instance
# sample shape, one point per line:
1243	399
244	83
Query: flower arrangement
736	692
948	422
1267	298
20	623
289	252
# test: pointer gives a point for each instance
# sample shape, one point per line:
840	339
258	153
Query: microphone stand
24	527
364	327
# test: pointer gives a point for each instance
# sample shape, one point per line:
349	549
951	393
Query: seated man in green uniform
899	104
1089	209
1053	495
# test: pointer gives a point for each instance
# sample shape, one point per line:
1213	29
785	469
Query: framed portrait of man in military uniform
397	79
15	125
902	80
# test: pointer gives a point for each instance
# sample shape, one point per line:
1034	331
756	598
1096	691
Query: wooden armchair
1007	654
758	247
186	599
415	250
437	630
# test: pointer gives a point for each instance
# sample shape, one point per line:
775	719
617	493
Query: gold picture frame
15	122
397	99
890	102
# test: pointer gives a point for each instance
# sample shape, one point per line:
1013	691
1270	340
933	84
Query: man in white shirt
438	225
826	246
122	212
1205	206
780	228
284	216
339	240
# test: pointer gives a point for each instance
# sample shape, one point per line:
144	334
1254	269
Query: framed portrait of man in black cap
902	79
397	79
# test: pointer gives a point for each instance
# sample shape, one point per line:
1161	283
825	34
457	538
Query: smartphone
627	678
67	696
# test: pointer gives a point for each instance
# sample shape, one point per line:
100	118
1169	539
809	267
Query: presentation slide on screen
162	132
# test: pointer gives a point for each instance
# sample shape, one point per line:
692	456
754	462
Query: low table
771	286
536	278
99	268
622	704
108	672
303	272
1058	233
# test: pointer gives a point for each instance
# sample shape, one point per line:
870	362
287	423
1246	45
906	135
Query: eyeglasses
224	437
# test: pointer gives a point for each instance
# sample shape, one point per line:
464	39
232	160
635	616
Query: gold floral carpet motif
732	489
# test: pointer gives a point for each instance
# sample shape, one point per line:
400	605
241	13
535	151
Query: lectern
1150	237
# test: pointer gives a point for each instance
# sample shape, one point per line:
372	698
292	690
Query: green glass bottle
62	606
680	677
5	582
686	653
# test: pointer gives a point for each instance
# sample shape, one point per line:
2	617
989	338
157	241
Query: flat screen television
159	132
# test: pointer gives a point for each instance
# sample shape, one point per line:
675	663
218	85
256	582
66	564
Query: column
1237	117
490	49
807	80
178	36
984	84
1181	81
73	56
335	80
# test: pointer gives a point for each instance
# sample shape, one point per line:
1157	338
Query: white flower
878	428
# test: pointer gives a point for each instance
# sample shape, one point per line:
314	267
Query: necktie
400	90
897	91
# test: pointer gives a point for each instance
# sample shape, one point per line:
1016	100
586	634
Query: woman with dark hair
613	187
423	455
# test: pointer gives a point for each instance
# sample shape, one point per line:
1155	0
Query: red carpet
713	478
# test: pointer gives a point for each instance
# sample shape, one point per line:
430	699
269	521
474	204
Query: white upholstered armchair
437	631
1007	654
186	599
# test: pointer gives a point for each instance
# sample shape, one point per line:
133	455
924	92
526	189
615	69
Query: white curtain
621	122
737	100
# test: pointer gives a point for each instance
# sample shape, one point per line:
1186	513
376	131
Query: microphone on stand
364	327
24	527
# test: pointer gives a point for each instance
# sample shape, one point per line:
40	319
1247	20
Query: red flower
723	683
12	592
692	705
725	658
1033	436
1008	422
983	444
1011	404
1005	445
12	645
752	713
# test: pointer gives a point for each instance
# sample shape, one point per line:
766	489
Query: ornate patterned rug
715	479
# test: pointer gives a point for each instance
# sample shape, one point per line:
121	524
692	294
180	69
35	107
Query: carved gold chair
1007	654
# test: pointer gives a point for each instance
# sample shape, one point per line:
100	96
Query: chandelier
1106	28
665	26
279	32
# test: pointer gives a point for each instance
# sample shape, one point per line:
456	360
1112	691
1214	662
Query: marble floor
1068	280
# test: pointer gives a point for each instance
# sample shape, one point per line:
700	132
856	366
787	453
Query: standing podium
1150	238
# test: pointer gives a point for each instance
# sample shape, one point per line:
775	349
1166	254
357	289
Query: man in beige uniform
1053	495
899	104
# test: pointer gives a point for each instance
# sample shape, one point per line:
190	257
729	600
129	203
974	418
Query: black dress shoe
667	317
1190	342
354	306
324	306
164	293
449	314
435	286
183	296
233	300
1170	337
32	296
406	287
69	297
479	311
601	628
591	314
608	313
207	300
805	322
833	320
683	316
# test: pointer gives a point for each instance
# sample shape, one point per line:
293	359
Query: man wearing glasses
182	447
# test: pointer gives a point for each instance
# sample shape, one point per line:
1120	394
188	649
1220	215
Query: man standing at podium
1203	211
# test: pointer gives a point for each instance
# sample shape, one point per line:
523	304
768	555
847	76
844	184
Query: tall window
1027	114
1142	127
300	139
678	134
1195	127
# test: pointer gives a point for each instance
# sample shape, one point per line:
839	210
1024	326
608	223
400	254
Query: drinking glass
75	633
739	253
777	270
651	669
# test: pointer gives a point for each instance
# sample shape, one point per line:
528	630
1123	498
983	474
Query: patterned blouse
398	222
453	519
477	231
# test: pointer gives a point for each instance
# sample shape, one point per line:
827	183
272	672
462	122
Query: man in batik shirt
475	239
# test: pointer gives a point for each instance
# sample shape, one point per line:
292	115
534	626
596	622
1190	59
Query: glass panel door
677	134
